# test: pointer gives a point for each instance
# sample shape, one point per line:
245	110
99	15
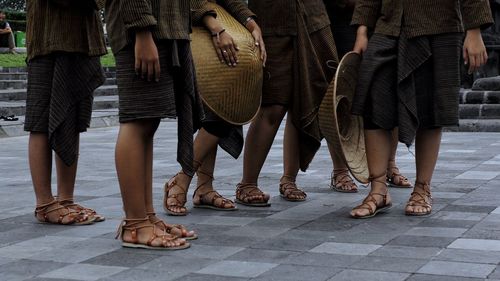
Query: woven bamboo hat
233	93
338	125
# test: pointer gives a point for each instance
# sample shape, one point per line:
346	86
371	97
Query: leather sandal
169	228
396	179
374	208
179	199
341	181
290	188
77	207
245	190
70	216
420	198
211	199
134	225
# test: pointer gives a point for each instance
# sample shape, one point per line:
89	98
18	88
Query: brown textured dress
63	42
302	59
410	73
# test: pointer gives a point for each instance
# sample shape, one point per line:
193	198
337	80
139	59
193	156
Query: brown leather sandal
421	198
396	179
70	216
370	198
245	190
134	225
341	181
209	199
179	199
170	228
290	188
79	208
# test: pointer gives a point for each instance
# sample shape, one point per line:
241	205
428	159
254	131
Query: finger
485	58
144	69
235	46
151	70
226	57
232	56
137	66
157	70
234	50
465	56
472	64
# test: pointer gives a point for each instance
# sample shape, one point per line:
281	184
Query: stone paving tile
25	269
207	252
473	256
430	277
298	273
495	274
261	255
237	268
121	258
345	248
407	265
204	277
405	252
476	244
135	274
460	269
278	243
437	231
86	272
350	274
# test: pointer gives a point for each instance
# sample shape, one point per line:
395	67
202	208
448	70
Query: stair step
479	97
18	107
20	94
477	125
479	111
23	83
13	76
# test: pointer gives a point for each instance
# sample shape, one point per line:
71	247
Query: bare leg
394	177
40	160
378	151
205	192
427	145
341	180
203	145
291	161
258	142
66	176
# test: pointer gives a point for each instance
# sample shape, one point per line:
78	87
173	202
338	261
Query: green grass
8	60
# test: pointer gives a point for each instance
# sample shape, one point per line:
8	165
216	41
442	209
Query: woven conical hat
233	93
338	125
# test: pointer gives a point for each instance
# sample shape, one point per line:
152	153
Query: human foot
141	233
55	213
206	197
250	195
396	179
175	229
420	202
79	208
341	181
378	200
290	191
175	195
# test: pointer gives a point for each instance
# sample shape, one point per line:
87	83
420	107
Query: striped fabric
422	17
414	91
237	8
59	100
173	96
167	19
278	17
51	27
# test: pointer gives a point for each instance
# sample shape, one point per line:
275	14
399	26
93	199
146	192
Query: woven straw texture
338	125
233	93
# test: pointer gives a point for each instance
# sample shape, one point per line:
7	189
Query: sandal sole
215	208
343	190
174	214
399	186
253	204
292	200
142	246
379	210
411	214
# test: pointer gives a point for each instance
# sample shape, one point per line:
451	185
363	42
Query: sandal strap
168	186
44	209
371	199
247	189
133	225
289	188
419	198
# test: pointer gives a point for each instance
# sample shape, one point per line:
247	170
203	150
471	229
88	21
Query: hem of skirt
132	119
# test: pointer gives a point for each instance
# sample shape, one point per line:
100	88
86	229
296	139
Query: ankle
287	178
41	202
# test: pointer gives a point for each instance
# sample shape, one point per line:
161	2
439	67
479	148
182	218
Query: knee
273	115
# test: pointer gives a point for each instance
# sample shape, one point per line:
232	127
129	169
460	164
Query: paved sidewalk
312	240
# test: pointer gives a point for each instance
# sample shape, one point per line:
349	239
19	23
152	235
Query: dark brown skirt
59	99
175	95
410	83
230	136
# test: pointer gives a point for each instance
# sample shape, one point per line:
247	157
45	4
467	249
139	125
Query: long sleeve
366	12
476	13
137	14
237	8
199	9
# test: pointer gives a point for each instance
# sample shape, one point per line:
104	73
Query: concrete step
13	76
18	107
479	111
477	125
100	118
479	97
20	94
23	83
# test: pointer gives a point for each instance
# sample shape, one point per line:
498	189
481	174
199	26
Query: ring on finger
224	51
